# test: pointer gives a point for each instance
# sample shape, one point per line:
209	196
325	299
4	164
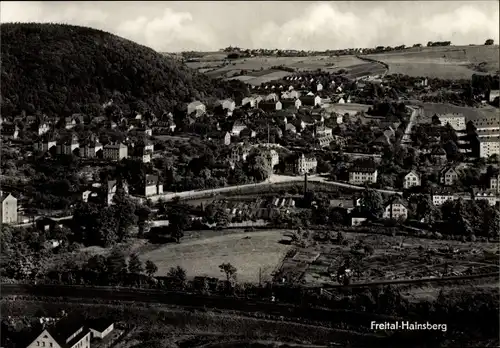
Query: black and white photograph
261	174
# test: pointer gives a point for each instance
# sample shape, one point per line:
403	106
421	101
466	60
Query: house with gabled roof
396	209
196	108
68	332
411	179
448	175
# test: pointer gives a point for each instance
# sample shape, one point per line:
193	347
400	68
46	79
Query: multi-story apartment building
91	149
115	152
152	186
44	145
489	146
362	173
455	120
301	164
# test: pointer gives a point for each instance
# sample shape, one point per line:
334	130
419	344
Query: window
43	344
37	343
50	344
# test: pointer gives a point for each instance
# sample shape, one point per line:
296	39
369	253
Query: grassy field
454	62
202	257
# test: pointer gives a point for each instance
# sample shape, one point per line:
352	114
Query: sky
174	26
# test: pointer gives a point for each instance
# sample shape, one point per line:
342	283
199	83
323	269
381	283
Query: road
274	179
413	118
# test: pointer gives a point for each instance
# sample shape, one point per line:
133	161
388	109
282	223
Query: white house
152	186
411	179
238	126
196	107
360	174
395	209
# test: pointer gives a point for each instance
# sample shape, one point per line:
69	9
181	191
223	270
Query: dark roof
364	166
99	324
66	327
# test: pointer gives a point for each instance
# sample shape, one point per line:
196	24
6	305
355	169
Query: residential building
448	176
271	105
239	154
491	196
112	186
290	128
319	87
311	100
152	186
220	137
495	182
322	131
92	149
438	155
288	103
68	332
100	328
301	164
44	145
487	122
10	131
324	141
271	97
8	208
363	172
411	179
67	147
396	209
455	120
197	108
250	101
238	126
228	105
494	93
442	196
339	119
43	128
272	157
115	152
489	146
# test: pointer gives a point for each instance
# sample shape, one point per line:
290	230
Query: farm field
394	258
346	108
470	113
259	68
202	257
453	62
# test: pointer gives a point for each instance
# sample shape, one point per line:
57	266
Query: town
280	186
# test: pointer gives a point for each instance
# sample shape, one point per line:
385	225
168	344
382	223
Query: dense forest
63	69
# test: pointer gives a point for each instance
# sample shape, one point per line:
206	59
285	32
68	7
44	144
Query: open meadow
248	252
452	62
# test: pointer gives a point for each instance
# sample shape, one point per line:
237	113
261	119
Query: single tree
116	263
151	268
229	270
135	264
489	42
178	274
